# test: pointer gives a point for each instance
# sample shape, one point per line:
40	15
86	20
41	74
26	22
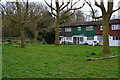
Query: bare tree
57	9
106	15
18	14
78	16
42	24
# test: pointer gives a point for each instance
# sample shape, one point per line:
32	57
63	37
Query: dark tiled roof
92	23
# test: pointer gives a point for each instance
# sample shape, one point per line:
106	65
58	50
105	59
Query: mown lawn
49	61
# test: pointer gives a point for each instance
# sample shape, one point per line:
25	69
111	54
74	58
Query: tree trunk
57	32
91	59
105	23
22	36
36	35
57	42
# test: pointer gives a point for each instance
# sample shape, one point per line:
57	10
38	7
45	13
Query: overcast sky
85	9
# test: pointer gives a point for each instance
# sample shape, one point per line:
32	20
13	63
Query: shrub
8	44
8	40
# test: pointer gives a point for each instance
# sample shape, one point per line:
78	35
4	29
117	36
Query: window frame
68	29
115	27
79	28
60	29
116	37
89	28
70	38
90	38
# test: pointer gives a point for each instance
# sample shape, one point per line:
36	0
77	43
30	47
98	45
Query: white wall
90	42
113	42
64	38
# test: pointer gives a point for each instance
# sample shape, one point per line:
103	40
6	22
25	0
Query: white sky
85	9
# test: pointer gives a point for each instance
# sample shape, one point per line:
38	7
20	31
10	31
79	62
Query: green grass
49	61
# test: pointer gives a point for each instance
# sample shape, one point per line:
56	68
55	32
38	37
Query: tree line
32	20
26	19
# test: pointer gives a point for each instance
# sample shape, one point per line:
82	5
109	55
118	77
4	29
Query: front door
75	40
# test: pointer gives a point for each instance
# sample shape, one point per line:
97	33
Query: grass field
66	61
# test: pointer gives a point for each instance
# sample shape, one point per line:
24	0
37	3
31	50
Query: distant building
90	33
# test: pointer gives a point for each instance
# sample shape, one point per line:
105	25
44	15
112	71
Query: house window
116	37
101	28
60	29
68	38
115	27
68	29
90	38
79	28
81	38
89	28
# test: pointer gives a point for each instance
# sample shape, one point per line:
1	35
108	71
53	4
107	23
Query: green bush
14	41
8	40
27	41
8	44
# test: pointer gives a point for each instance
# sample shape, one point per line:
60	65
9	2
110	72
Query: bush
27	41
8	44
50	37
8	40
14	41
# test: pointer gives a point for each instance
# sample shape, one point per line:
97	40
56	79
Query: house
90	32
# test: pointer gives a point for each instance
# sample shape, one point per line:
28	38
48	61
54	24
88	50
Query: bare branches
115	10
73	9
7	12
75	2
64	6
69	4
61	4
26	12
96	3
49	5
93	12
101	6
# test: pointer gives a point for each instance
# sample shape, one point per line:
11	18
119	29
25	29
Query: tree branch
101	6
91	59
7	12
73	9
50	5
75	3
93	13
53	13
61	4
115	10
72	13
64	6
52	10
96	3
26	12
